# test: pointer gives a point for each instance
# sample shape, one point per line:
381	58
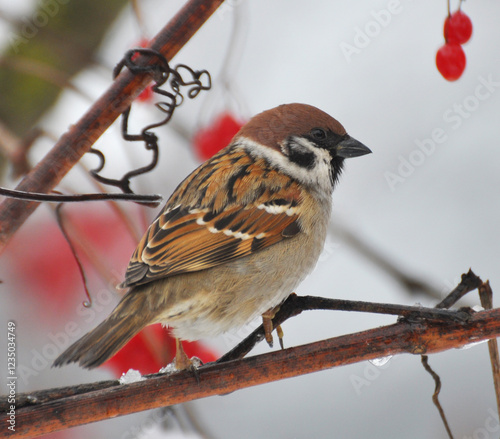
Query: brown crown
272	126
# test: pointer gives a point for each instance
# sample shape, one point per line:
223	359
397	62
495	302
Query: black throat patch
299	154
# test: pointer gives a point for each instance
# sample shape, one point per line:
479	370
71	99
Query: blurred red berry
143	42
457	28
152	349
450	61
40	269
210	140
147	94
40	259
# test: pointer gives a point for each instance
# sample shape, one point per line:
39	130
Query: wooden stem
82	135
424	337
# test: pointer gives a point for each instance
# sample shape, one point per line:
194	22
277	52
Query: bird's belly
210	302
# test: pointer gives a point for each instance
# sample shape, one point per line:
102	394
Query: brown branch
81	136
295	305
486	296
469	282
151	200
215	379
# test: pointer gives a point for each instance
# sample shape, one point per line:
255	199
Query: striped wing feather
194	236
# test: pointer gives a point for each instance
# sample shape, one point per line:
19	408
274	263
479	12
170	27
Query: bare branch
435	395
81	136
106	400
486	296
294	305
152	200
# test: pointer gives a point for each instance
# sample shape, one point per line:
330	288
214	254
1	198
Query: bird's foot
267	322
182	362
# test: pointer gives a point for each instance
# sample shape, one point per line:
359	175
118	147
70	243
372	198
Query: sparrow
235	238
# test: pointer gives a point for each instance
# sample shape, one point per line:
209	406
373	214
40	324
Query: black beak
350	147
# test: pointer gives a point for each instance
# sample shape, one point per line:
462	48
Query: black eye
318	133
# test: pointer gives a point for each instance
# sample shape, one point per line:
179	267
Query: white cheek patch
299	151
319	175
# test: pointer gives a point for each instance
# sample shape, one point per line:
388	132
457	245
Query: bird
235	238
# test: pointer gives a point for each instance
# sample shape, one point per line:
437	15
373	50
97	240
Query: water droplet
379	362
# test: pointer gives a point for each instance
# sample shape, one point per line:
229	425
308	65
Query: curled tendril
145	60
60	221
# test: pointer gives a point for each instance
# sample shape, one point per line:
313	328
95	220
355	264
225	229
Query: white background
440	220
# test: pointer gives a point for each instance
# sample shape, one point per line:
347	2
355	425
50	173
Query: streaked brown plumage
236	236
189	234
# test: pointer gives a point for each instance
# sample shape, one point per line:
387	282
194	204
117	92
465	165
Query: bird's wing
192	234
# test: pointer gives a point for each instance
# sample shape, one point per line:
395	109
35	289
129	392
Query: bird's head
302	141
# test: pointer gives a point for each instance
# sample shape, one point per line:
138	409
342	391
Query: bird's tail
130	316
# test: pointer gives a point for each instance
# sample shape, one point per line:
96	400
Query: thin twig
98	261
116	208
152	200
221	378
82	135
468	283
294	305
435	395
486	297
60	223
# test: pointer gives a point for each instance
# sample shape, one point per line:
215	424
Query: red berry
450	61
146	94
153	348
210	140
457	28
